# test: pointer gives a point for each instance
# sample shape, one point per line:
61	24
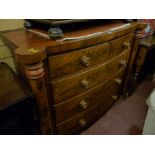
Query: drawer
86	118
119	45
66	88
81	103
72	62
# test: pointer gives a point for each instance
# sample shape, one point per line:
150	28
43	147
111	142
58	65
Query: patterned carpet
127	116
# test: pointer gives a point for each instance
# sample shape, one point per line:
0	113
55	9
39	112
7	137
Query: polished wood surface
66	88
84	101
64	70
101	102
120	44
75	61
36	79
27	39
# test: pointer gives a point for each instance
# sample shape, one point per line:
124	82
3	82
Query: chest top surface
37	37
34	45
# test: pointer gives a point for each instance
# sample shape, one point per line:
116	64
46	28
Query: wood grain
118	45
66	88
72	107
103	102
61	59
71	62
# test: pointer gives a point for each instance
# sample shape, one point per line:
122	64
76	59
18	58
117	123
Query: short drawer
66	88
72	62
81	103
119	45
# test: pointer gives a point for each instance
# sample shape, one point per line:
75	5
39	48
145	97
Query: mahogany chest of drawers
77	78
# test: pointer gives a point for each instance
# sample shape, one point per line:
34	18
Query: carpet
127	116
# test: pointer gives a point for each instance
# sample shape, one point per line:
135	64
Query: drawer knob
85	60
85	83
127	44
114	97
118	81
123	63
83	104
82	122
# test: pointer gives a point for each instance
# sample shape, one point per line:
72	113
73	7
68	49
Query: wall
5	54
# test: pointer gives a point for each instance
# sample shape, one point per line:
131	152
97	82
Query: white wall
8	24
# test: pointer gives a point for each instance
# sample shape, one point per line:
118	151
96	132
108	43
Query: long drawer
69	87
106	95
78	104
72	62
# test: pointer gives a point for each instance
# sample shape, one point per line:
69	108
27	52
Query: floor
127	116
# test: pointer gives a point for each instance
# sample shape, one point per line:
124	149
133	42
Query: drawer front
83	120
119	45
81	103
72	62
69	87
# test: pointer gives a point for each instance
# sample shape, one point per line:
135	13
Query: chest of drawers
83	95
75	81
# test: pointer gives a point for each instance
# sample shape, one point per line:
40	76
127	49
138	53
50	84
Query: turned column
32	61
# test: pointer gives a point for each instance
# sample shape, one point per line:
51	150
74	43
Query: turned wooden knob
85	83
118	81
82	122
83	104
127	44
85	60
123	63
114	97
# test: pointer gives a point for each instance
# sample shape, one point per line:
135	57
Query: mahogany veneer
77	80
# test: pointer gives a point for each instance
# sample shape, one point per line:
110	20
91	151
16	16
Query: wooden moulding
31	51
63	46
32	60
31	55
35	74
85	42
